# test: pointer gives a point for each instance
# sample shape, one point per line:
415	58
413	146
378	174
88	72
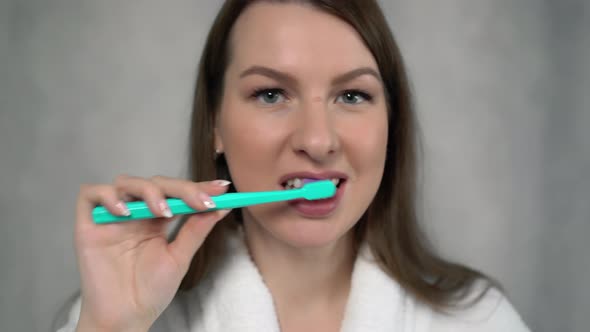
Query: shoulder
493	312
372	289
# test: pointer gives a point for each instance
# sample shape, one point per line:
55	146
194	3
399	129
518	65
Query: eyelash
366	96
260	91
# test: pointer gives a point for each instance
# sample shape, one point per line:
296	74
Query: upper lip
326	175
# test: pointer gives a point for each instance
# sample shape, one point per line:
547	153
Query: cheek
250	143
242	122
367	141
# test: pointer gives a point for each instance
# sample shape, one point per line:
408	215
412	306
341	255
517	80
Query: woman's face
303	100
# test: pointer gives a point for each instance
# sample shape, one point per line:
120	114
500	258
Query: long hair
390	225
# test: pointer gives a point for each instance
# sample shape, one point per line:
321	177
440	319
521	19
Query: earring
218	153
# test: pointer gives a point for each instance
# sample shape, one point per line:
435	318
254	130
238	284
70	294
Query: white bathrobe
235	298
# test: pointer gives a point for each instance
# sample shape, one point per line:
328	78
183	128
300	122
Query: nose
315	134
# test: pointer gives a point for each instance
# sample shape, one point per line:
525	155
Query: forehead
294	36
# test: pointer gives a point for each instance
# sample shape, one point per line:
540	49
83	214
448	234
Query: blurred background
91	89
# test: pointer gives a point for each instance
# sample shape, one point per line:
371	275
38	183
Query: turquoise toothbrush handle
140	210
237	200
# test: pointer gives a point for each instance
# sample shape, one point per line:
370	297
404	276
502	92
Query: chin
305	233
277	223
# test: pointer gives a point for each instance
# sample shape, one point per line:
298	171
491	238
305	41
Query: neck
303	281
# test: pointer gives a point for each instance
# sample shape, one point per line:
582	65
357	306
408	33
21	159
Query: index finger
195	194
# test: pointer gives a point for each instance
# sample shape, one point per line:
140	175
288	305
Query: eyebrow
286	78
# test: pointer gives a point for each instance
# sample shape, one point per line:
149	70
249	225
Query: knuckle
120	179
85	188
158	178
84	192
104	191
191	188
151	190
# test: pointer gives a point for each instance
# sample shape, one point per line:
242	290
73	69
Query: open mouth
296	183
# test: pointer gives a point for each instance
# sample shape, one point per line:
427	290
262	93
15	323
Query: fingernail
165	209
223	213
123	208
222	183
206	200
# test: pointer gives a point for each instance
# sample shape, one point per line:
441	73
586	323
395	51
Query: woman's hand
129	272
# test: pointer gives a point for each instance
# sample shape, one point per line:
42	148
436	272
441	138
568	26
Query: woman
287	92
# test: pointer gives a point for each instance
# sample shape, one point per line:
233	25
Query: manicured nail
123	208
165	209
223	213
222	183
206	200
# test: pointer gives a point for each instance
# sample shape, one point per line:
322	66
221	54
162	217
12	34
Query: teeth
296	183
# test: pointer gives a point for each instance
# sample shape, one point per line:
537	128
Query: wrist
86	324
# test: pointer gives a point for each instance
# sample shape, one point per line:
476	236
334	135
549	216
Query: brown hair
390	225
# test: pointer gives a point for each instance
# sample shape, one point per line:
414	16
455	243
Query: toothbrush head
318	190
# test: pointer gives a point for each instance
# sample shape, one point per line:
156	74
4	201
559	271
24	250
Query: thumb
192	235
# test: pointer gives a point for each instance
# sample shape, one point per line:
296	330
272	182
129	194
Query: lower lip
321	207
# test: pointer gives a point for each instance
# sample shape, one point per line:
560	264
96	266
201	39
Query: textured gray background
90	89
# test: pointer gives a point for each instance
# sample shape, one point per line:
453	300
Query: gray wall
91	89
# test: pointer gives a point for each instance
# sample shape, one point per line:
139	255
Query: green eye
269	96
353	97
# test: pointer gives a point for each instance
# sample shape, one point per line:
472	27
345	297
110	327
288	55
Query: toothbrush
139	210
